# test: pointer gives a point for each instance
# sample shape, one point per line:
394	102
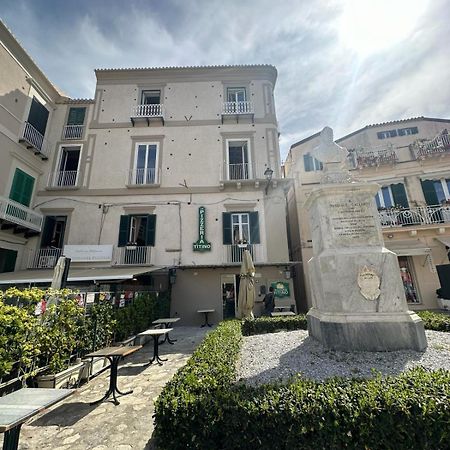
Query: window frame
236	90
58	172
317	166
249	158
387	134
143	93
135	161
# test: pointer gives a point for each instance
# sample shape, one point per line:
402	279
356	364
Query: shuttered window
76	116
7	260
393	195
38	116
243	226
22	187
137	230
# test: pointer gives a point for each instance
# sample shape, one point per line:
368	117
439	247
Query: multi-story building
167	171
410	160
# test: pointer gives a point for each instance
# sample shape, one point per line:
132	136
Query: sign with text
88	253
280	289
202	244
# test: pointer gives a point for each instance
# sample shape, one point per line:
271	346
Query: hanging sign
202	245
280	289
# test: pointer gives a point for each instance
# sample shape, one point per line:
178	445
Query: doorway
230	294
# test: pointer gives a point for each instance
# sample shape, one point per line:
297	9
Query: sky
341	63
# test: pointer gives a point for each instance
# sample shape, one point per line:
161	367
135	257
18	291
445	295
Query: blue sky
341	63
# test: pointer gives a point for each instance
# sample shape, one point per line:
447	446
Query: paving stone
71	439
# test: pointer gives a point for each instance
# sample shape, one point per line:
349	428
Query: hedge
203	408
435	321
271	324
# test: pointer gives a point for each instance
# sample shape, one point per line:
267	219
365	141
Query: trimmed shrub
203	408
263	325
435	321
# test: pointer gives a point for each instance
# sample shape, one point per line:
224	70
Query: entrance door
408	278
230	291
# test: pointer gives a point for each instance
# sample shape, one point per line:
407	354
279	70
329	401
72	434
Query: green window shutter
151	230
429	192
47	232
399	194
76	116
254	228
124	229
7	260
38	116
226	224
22	188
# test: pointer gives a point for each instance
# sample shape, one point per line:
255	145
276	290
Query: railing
132	255
422	215
19	214
241	171
233	253
44	258
143	176
148	111
374	157
73	132
35	139
63	178
437	146
237	108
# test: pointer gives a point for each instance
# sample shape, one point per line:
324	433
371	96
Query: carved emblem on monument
369	283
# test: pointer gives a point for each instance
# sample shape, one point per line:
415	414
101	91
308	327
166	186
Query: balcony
143	177
374	157
19	217
132	255
34	140
421	215
233	253
243	173
237	109
438	146
44	258
147	113
63	179
72	132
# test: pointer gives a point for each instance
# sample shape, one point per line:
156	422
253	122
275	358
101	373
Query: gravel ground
268	357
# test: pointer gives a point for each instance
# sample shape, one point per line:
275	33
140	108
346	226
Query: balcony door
241	228
151	98
238	160
146	164
236	95
38	116
68	166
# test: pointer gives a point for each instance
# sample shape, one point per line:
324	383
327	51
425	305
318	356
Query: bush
203	408
271	324
435	321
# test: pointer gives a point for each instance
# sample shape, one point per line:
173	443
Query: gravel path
268	357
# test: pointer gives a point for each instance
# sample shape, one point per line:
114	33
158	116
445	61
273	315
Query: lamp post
268	174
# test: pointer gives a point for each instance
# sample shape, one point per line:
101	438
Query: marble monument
358	298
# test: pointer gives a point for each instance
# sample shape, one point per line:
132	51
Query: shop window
408	279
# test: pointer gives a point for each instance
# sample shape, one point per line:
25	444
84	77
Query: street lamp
268	174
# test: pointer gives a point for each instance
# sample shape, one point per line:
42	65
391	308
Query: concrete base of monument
376	332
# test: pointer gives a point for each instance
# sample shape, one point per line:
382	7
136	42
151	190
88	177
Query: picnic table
114	354
206	312
282	313
155	333
166	322
21	405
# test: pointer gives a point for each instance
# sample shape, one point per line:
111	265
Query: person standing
269	302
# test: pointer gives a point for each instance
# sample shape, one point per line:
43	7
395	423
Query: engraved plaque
369	283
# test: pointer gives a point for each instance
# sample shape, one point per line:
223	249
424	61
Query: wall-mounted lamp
268	174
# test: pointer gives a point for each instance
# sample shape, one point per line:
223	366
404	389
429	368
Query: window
53	232
436	191
76	116
22	187
137	230
7	260
408	279
242	227
238	160
151	97
387	134
69	160
311	164
38	116
390	196
146	163
236	94
407	131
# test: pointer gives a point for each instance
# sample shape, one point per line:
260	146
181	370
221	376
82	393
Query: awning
408	248
76	274
445	240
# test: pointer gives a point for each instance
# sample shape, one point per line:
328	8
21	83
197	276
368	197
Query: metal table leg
156	352
11	439
167	337
206	320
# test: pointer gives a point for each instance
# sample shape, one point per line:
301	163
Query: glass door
146	163
238	161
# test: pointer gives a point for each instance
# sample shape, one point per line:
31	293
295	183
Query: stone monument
359	303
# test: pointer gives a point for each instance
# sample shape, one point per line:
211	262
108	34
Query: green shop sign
202	245
280	289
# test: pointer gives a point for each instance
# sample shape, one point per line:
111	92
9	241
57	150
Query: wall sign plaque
369	283
202	244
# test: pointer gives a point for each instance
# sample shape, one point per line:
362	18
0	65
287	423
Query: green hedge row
271	324
435	321
203	408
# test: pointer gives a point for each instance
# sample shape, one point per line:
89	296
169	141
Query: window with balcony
53	232
145	164
392	196
137	230
387	134
22	188
69	161
311	164
75	123
436	192
237	103
236	94
238	160
38	116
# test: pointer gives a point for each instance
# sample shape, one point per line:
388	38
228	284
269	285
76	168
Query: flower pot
67	378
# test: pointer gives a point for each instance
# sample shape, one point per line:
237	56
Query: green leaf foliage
203	407
263	325
435	321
